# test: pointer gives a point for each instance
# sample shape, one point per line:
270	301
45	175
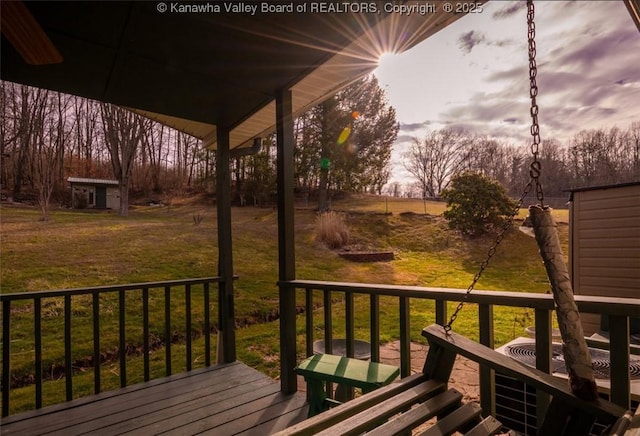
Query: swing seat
566	414
405	405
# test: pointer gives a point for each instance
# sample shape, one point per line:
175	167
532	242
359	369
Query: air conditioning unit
516	401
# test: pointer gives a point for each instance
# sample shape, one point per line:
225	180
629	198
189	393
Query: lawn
82	248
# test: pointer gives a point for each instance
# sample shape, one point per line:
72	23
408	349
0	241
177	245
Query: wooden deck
222	400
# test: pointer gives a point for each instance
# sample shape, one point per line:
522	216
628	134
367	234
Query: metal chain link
534	168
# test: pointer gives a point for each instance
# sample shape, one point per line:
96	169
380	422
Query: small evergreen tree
476	203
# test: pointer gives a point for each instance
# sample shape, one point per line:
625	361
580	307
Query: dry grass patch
332	230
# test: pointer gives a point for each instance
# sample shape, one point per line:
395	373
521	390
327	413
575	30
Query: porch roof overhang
197	70
633	6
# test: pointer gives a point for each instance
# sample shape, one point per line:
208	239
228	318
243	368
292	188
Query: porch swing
412	401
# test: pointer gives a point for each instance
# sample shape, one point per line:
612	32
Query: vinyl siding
604	244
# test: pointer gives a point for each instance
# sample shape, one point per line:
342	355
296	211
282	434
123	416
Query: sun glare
386	61
385	58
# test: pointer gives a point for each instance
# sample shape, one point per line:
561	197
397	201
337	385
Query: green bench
347	372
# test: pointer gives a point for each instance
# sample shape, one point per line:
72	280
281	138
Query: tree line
45	137
590	158
341	145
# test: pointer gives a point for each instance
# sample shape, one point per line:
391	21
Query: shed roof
85	181
600	187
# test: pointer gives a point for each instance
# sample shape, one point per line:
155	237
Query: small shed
604	245
94	193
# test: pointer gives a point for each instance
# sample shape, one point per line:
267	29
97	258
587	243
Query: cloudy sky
474	74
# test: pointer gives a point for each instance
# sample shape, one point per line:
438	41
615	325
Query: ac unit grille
516	407
526	353
516	401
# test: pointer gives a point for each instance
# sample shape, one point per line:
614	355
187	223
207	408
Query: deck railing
125	297
618	311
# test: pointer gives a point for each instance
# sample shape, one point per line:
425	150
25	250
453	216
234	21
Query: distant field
382	204
81	248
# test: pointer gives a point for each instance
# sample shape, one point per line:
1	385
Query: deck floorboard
222	400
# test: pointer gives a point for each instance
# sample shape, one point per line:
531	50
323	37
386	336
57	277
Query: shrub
476	203
332	230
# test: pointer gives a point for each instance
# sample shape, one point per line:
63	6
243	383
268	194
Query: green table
347	372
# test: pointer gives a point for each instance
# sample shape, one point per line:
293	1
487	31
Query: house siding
604	244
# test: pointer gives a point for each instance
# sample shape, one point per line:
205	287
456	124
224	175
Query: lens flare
351	149
355	114
344	135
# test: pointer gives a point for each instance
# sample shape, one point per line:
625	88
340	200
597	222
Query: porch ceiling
195	71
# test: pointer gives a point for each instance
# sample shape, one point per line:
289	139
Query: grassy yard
81	249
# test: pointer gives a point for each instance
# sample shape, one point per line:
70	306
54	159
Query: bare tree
599	157
123	131
554	175
86	114
437	157
155	154
491	158
632	147
28	108
8	131
187	147
394	189
51	134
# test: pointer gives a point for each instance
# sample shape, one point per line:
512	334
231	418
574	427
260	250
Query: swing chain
534	169
507	225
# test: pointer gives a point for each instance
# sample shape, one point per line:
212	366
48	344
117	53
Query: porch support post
226	315
286	241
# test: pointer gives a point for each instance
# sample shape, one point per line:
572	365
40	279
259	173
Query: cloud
590	52
587	76
509	10
409	132
405	139
504	42
515	73
628	83
489	107
412	127
470	39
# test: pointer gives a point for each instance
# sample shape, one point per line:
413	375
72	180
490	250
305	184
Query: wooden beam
487	375
374	323
405	337
620	376
543	331
286	240
226	312
26	35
